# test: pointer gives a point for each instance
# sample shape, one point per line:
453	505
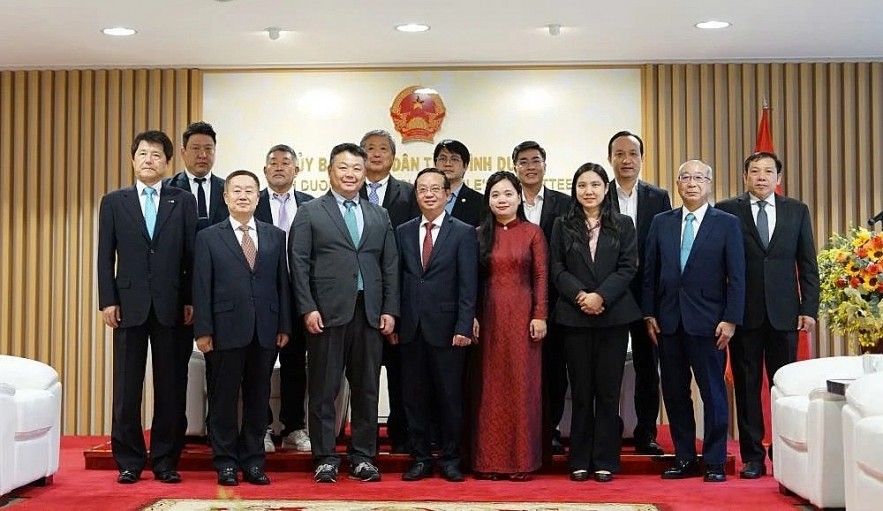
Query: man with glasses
452	158
693	298
542	206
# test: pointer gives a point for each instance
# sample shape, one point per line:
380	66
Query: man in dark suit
145	258
640	201
783	283
438	259
198	153
693	298
397	197
277	205
344	266
242	302
542	206
452	158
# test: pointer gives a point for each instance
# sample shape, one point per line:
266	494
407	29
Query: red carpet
75	488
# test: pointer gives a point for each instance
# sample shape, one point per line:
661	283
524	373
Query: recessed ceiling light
713	24
120	31
412	27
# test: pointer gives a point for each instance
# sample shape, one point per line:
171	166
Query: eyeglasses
686	178
435	190
446	159
522	163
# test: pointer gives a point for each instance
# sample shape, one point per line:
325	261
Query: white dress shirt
207	186
770	211
534	212
252	231
436	227
697	222
142	197
628	202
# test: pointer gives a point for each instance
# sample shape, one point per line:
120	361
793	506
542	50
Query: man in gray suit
344	267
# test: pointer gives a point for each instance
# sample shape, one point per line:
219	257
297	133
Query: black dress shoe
452	474
255	475
579	475
128	477
682	470
651	448
715	474
557	446
417	471
227	477
603	476
167	476
753	470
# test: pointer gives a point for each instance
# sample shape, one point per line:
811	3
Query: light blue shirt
360	220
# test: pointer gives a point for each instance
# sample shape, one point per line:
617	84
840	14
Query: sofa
30	422
862	418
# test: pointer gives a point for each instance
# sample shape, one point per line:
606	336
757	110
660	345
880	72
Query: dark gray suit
325	265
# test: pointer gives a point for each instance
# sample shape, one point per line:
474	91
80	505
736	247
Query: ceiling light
554	29
273	32
713	24
120	31
412	27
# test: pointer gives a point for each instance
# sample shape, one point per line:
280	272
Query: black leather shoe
167	476
753	470
603	476
579	475
227	477
255	475
417	471
651	448
128	477
715	474
682	470
452	474
557	446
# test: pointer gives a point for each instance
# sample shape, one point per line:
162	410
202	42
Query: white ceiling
214	34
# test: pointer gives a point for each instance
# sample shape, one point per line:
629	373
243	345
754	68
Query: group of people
482	307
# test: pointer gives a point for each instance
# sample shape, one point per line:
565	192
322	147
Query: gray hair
698	164
379	133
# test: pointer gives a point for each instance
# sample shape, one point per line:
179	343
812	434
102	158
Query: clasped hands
590	303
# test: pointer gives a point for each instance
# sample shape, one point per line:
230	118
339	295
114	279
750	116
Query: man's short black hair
347	147
200	128
527	145
624	133
454	146
761	155
154	137
236	173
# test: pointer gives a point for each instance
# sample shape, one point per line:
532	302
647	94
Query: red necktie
248	248
427	245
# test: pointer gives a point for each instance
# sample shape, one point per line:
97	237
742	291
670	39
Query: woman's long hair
486	226
574	219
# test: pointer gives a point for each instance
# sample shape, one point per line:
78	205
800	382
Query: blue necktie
349	218
149	210
373	198
687	242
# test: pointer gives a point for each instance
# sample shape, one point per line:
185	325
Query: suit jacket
652	200
711	288
399	201
770	272
555	204
325	264
263	212
442	298
137	272
217	207
610	274
470	207
231	302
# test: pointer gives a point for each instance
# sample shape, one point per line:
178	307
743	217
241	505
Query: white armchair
807	428
30	422
863	443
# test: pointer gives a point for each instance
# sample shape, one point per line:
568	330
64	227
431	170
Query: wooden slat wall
827	126
64	142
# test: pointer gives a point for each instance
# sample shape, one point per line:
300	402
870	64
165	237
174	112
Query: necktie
427	245
763	223
349	218
149	210
282	220
373	198
248	248
687	242
450	205
201	208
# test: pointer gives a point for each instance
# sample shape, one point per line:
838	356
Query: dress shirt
697	222
770	211
252	230
207	186
594	227
453	200
436	227
142	198
628	202
534	212
381	190
360	220
290	206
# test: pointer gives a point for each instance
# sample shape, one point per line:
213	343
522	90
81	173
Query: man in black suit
542	206
344	267
438	259
452	158
693	298
242	306
397	197
640	201
198	153
277	205
783	283
145	258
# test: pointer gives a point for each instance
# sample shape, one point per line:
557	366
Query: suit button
152	251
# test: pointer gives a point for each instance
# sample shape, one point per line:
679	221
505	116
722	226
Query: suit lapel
392	191
369	222
229	236
411	244
264	243
166	206
744	202
674	237
216	194
132	204
443	233
704	231
643	196
781	214
329	203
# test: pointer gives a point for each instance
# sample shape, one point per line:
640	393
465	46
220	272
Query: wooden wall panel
65	140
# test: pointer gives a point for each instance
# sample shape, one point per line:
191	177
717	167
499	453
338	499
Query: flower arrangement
851	285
